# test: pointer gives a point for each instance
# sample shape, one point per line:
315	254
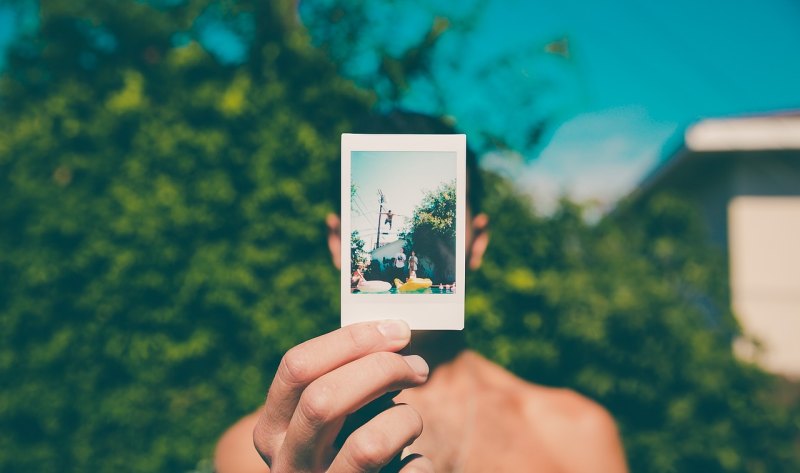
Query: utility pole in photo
380	217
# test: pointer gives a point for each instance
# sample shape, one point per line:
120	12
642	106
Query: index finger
308	361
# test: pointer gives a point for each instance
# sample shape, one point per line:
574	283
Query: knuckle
413	419
362	337
317	404
390	365
295	368
263	447
370	451
407	421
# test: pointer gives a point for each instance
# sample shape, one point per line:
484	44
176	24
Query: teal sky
404	177
615	80
645	71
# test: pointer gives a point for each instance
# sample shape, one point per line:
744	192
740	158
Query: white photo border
420	311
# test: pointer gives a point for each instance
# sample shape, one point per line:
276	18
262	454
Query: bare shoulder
579	433
564	411
558	410
235	452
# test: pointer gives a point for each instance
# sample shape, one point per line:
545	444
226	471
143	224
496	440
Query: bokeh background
166	167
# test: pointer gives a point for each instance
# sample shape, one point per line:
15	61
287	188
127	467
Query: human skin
476	415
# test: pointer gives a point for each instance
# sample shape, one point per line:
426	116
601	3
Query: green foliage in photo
357	252
431	232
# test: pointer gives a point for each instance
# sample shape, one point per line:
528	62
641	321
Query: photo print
403	211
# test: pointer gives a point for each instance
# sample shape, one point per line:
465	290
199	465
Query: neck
437	347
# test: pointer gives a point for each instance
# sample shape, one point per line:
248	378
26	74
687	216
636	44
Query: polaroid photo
403	229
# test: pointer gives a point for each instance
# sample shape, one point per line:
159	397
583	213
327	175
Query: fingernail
394	330
417	364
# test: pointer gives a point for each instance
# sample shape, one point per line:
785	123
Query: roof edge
768	132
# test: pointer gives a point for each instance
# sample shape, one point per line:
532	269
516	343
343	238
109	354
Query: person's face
477	239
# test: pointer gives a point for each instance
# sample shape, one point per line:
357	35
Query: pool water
431	290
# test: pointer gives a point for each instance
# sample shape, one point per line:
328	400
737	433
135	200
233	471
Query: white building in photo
744	176
387	252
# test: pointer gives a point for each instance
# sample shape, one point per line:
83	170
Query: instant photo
403	229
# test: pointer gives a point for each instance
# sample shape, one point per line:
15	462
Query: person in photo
413	263
389	217
358	275
400	262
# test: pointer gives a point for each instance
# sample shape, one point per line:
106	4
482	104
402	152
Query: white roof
773	132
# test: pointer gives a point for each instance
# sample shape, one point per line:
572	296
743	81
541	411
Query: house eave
776	132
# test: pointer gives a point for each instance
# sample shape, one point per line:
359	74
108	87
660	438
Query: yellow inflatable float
413	284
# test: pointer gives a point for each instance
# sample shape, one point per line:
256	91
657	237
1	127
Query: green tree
432	231
357	252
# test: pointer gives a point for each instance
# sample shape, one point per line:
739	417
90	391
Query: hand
320	382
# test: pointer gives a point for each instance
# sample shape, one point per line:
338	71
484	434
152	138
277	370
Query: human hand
322	381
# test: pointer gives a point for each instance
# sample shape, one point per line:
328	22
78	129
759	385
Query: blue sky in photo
404	177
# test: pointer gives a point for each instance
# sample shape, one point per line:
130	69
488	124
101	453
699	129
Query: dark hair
404	122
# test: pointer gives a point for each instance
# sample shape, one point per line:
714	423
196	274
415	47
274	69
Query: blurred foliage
163	237
634	313
411	53
162	244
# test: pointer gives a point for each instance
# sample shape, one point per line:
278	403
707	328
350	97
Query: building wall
388	250
764	251
774	173
750	201
711	180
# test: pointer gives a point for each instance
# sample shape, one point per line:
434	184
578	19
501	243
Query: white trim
742	134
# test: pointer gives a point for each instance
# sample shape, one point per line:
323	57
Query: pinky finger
373	445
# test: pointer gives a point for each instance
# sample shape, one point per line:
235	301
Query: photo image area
403	221
403	229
